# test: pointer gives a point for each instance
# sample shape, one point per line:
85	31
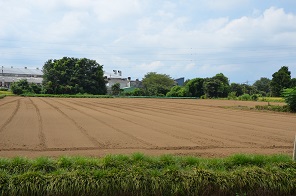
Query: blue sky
244	39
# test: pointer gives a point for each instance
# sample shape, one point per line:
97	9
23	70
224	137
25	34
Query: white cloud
109	10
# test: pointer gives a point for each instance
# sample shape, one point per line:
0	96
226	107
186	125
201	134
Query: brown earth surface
95	127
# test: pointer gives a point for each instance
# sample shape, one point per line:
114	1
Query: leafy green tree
263	85
293	82
290	98
137	92
115	89
72	76
23	86
195	87
217	86
280	80
157	84
237	89
20	87
35	88
213	88
248	89
178	91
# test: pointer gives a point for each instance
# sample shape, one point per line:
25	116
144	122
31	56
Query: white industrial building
9	75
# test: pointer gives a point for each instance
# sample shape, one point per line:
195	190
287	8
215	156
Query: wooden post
294	152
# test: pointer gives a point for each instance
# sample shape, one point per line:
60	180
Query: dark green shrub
232	96
245	97
255	97
290	98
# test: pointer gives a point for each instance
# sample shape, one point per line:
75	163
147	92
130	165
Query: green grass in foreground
144	175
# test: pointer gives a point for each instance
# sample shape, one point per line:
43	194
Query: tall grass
145	175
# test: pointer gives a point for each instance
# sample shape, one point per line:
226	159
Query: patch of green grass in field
6	93
146	175
275	108
271	99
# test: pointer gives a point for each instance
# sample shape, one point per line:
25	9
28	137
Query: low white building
9	75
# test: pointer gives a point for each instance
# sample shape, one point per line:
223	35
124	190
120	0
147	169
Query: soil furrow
172	126
7	102
2	128
41	134
230	122
205	124
83	131
169	133
55	127
109	125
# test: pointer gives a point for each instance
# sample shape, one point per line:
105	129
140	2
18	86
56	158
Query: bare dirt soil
95	127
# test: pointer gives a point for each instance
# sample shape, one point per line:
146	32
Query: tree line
217	86
85	76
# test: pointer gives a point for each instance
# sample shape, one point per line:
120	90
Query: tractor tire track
82	130
2	128
107	124
10	102
41	134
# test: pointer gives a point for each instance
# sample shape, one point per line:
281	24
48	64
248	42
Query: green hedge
2	96
142	175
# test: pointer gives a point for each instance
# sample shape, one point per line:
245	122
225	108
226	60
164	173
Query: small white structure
115	77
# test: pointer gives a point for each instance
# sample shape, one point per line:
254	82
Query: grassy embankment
143	175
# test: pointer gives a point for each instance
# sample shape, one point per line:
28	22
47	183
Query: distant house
113	78
135	83
180	81
9	75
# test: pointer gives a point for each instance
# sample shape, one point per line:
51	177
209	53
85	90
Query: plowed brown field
96	127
